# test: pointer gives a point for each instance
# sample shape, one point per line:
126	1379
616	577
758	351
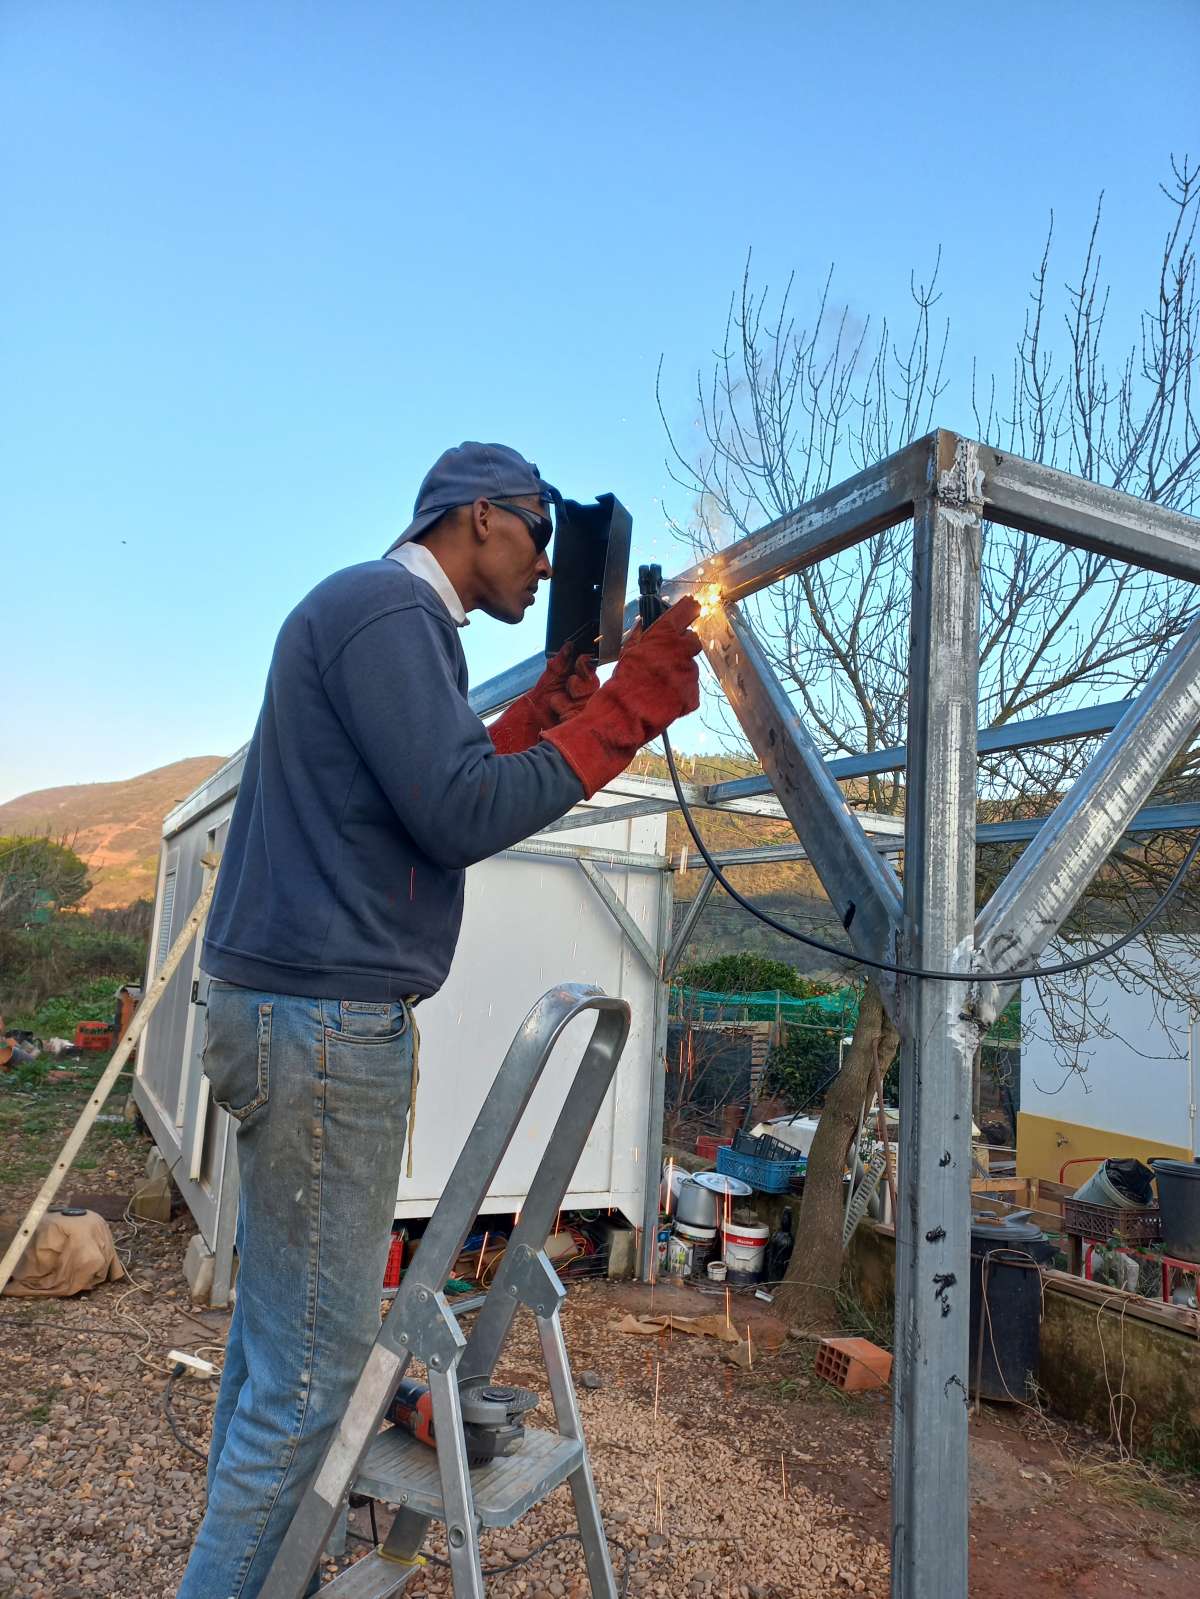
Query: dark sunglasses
541	527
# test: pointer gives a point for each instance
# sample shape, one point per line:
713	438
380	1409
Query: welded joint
961	484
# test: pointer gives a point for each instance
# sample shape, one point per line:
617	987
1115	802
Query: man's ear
481	520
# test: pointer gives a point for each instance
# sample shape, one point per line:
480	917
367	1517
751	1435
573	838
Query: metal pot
696	1205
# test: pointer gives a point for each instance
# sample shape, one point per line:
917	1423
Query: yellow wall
1044	1145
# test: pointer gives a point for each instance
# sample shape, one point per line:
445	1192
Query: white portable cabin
1124	1083
590	905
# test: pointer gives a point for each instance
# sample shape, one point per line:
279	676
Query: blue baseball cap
469	472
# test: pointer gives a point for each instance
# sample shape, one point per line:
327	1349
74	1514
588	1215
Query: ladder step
372	1577
401	1471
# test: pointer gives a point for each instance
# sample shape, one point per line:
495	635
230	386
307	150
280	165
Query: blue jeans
320	1092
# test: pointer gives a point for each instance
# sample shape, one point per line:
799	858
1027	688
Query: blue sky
264	262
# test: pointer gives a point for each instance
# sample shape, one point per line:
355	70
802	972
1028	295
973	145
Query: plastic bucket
744	1249
1179	1201
716	1271
1100	1190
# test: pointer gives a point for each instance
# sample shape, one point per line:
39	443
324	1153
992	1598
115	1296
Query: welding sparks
708	598
749	1349
783	1475
482	1252
670	1175
657	1375
728	1319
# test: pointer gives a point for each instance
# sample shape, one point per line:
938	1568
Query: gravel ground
760	1484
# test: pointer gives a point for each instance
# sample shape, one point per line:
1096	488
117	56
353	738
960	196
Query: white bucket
716	1271
744	1249
695	1235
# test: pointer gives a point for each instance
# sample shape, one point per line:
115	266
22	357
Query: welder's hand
656	680
561	692
567	696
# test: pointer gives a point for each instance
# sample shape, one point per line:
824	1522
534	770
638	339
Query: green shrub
67	971
747	973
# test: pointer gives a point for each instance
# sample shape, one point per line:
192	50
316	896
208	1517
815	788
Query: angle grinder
492	1413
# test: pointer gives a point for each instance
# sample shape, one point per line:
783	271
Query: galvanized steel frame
948	485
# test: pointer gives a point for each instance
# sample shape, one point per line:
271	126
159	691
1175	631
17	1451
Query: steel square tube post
929	1449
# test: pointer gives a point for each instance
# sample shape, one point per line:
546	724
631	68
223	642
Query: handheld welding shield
591	568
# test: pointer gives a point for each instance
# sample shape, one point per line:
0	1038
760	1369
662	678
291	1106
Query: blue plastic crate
767	1176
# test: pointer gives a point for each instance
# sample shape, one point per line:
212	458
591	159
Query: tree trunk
808	1296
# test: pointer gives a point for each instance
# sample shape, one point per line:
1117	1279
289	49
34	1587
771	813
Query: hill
114	827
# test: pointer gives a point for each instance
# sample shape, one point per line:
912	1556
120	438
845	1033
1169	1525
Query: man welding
368	788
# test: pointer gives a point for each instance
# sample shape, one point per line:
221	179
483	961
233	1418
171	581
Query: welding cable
967	976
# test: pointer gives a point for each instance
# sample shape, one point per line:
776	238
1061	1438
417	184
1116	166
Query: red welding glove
655	681
561	692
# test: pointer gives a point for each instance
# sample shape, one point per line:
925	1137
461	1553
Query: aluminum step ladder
437	1484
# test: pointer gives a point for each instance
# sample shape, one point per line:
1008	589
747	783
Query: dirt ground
759	1484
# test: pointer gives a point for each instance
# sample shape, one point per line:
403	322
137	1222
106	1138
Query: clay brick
853	1364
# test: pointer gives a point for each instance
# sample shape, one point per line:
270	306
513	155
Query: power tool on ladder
491	1414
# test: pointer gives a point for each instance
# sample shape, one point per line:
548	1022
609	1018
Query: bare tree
789	409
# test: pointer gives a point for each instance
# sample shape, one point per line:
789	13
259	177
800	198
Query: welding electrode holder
651	604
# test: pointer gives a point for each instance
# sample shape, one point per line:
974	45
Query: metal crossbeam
1152	819
1043	887
1060	727
1039	499
872	500
687	926
864	890
615	906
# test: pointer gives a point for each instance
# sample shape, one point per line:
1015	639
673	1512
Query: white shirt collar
416	559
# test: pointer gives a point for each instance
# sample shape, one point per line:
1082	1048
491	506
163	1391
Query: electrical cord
178	1371
898	970
513	1565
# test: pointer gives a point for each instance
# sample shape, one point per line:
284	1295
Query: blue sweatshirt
369	786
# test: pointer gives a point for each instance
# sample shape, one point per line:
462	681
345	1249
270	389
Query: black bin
1179	1203
1006	1305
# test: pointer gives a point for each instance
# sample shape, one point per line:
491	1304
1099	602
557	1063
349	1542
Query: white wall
531	922
1132	1058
